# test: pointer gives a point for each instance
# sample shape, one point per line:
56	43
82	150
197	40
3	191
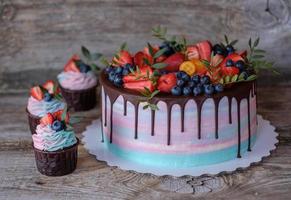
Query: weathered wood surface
19	178
37	37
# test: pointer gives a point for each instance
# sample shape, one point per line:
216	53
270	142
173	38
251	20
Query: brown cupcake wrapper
80	100
33	121
57	163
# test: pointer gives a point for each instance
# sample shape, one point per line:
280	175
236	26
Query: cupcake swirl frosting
47	139
76	80
40	108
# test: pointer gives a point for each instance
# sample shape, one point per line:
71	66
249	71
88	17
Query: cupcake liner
33	121
80	100
57	163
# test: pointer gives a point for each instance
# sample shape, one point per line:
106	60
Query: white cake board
266	140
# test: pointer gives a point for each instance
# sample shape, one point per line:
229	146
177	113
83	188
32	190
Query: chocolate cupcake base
57	163
33	122
80	100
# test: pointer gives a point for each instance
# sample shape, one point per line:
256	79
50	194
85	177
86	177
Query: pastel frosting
41	108
77	81
47	139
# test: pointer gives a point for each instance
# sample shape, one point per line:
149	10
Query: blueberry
84	68
205	80
187	91
125	71
108	69
163	72
185	77
127	66
111	76
118	70
180	74
208	89
57	125
229	49
240	65
47	97
118	80
169	50
180	83
218	49
191	84
197	90
176	90
229	63
196	78
219	87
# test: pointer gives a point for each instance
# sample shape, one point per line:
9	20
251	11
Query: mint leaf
86	53
159	65
160	52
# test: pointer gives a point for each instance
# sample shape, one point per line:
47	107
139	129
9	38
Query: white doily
266	140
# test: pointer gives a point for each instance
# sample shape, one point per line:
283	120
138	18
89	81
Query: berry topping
71	65
192	52
191	84
229	63
208	89
218	87
123	58
196	79
47	97
185	77
125	71
167	82
204	49
174	62
108	69
139	86
118	80
57	125
36	92
140	57
188	67
197	90
180	82
218	49
118	70
187	91
138	76
240	65
58	115
205	80
49	86
84	68
47	119
229	49
168	49
111	76
176	90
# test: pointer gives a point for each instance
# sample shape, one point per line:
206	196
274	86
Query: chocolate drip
125	107
229	109
136	120
153	113
238	129
249	125
239	91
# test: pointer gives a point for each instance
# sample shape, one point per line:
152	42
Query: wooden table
19	178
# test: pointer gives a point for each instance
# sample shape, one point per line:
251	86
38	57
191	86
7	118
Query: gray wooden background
38	36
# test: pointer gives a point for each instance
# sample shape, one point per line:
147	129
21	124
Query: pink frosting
77	81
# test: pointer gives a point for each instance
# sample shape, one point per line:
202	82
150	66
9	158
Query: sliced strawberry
192	52
229	71
204	49
48	119
58	115
36	93
174	61
155	50
49	86
161	58
71	65
139	86
234	57
167	82
123	58
140	57
139	76
216	60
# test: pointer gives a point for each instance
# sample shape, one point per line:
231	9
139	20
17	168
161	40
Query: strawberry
216	60
167	82
49	86
174	61
123	58
161	58
146	51
192	52
204	49
48	119
71	65
139	76
234	57
243	54
139	59
139	86
229	71
58	115
36	92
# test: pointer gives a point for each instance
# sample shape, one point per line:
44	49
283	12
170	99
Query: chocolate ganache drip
239	91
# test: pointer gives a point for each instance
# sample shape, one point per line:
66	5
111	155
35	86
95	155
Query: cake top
54	132
179	68
45	98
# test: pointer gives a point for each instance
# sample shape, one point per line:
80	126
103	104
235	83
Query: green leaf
256	43
221	81
147	90
259	51
154	93
96	56
160	52
250	43
233	42
226	39
123	46
145	106
205	62
64	114
159	65
153	107
146	61
94	67
252	77
151	49
241	77
86	53
227	79
234	78
104	61
75	120
258	56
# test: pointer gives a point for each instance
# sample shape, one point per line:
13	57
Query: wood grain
19	178
37	37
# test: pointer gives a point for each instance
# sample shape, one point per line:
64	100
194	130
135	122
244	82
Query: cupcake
78	85
55	145
43	99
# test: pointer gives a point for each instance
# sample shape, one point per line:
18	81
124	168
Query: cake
43	99
179	105
55	145
78	84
